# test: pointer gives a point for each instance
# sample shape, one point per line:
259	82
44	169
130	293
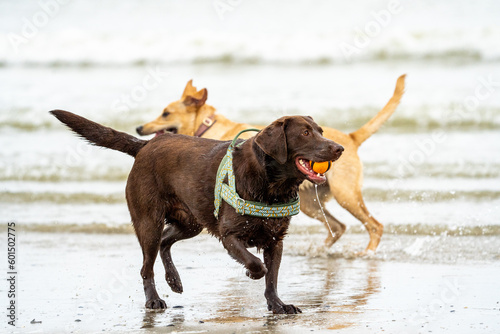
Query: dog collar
205	125
227	192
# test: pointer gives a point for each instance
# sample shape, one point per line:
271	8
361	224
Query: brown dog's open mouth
304	167
172	129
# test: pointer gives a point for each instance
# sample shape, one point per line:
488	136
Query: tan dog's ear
198	99
272	140
201	94
189	90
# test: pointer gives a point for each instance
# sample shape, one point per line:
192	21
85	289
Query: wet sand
88	283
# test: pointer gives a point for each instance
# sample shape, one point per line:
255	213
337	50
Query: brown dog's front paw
156	304
291	309
256	270
284	309
257	274
175	284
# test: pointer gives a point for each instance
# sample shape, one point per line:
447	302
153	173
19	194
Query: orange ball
321	167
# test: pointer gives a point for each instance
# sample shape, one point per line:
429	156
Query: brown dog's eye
165	114
305	133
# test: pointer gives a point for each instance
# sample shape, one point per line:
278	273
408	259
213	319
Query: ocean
431	173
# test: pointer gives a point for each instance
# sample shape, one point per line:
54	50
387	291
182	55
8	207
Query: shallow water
89	283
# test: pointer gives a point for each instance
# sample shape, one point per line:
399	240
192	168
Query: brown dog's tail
363	133
100	135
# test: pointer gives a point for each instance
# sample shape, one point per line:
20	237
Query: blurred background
432	172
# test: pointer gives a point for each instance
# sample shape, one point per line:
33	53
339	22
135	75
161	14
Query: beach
431	173
80	283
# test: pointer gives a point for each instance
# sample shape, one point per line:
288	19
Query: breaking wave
230	49
295	229
405	120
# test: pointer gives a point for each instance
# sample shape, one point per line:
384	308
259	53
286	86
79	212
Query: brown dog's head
178	116
293	141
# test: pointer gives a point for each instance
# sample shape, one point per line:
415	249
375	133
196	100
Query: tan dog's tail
363	133
100	135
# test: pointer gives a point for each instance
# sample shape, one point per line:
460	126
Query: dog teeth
306	166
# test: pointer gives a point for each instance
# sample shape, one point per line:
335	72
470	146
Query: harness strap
227	192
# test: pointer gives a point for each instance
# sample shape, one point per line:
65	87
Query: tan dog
191	116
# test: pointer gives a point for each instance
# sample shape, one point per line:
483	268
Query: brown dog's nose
139	130
337	150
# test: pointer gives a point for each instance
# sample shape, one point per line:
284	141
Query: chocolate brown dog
170	192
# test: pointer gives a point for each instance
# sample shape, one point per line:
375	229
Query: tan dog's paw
367	253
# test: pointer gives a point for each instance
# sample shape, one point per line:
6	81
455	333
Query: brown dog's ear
198	99
272	140
189	90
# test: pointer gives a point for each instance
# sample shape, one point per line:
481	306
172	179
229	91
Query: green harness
228	193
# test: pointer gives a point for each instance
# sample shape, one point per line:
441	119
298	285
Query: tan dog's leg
353	202
374	228
310	206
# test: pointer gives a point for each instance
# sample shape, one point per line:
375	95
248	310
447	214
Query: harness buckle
240	208
208	122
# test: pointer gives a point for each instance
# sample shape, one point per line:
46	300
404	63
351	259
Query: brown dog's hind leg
149	232
148	217
310	206
173	232
272	259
